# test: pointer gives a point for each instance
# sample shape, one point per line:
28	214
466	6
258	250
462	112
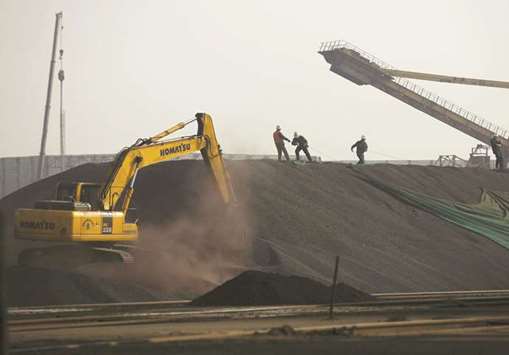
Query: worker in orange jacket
279	141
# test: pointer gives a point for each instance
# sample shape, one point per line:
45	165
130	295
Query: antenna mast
47	107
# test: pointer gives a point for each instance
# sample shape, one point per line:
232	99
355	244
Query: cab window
66	192
90	194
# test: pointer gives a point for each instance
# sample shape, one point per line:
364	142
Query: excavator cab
84	192
73	196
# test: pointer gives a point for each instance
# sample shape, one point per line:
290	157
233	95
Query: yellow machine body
74	226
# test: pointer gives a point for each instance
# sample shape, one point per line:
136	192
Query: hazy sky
133	68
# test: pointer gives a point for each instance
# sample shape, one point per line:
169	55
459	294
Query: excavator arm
119	188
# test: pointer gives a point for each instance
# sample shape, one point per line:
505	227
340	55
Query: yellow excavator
94	215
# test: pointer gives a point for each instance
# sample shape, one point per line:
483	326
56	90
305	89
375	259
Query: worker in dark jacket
496	147
302	144
279	141
362	147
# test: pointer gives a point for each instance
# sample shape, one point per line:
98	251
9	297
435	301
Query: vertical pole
333	289
62	121
48	96
61	78
62	139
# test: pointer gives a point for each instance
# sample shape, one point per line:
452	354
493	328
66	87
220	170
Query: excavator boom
146	152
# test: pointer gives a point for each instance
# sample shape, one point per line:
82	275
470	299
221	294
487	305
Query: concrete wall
21	171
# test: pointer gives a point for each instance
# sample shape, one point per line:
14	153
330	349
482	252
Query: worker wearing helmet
362	147
279	141
496	147
302	144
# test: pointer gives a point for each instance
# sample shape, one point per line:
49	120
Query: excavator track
70	256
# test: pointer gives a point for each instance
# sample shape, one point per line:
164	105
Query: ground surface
479	326
291	219
305	345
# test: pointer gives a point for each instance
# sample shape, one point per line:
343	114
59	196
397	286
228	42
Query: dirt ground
291	219
247	330
306	345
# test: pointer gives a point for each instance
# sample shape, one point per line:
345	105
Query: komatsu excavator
94	215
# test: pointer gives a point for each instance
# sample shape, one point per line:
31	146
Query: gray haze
135	67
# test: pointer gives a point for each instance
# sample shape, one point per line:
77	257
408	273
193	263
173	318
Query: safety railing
451	160
448	105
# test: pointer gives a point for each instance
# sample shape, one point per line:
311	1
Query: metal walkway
363	68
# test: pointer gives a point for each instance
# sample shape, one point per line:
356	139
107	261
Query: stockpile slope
307	214
294	219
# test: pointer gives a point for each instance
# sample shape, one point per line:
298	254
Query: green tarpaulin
488	218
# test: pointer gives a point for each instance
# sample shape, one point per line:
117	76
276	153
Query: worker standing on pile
279	141
302	144
362	147
496	146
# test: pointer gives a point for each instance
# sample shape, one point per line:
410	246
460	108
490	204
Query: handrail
448	105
